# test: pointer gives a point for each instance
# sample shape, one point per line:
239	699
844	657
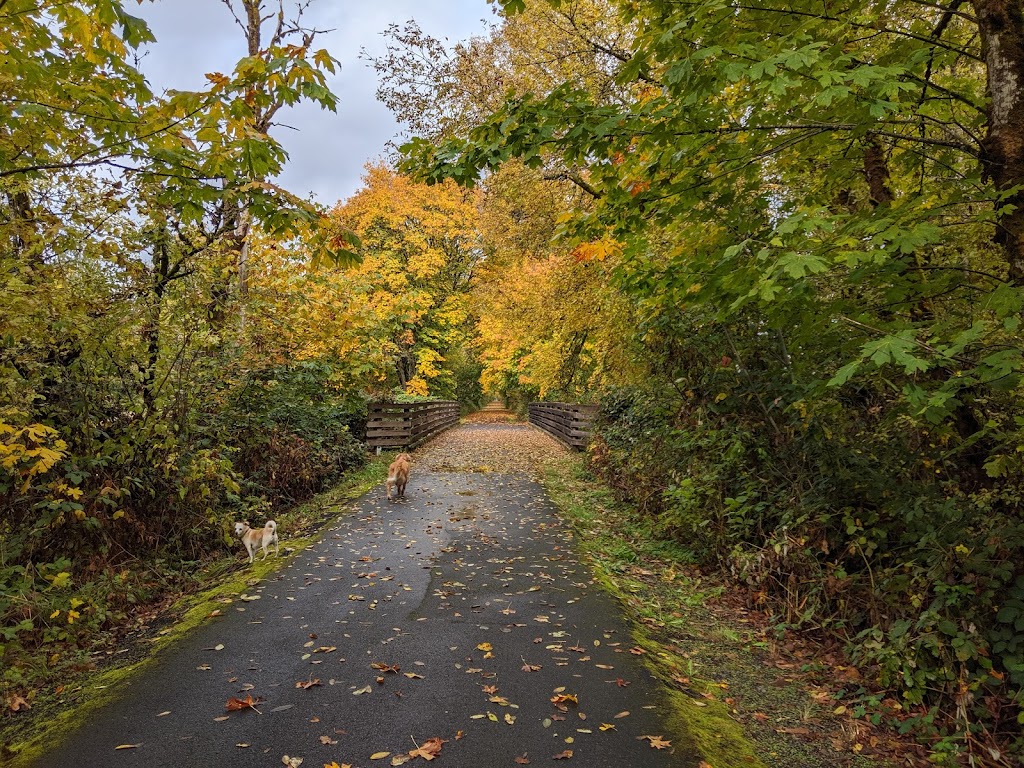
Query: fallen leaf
128	746
564	698
563	755
307	684
621	683
400	759
393	668
657	742
17	703
361	691
379	755
490	689
292	762
794	731
606	727
413	676
325	740
485	647
242	745
234	703
622	714
530	667
523	759
428	750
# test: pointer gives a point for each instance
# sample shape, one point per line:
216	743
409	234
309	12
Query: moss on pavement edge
710	666
53	718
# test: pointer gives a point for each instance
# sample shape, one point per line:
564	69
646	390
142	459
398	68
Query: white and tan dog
398	474
257	538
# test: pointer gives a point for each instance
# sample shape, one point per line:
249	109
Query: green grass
227	579
726	704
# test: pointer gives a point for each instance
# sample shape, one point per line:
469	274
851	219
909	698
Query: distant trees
801	228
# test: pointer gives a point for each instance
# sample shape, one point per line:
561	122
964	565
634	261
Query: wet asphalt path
470	600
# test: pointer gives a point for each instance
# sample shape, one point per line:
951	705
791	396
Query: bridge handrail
569	423
406	425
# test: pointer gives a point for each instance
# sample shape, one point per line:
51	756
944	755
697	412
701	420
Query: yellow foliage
417	386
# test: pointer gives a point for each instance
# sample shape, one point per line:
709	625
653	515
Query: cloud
327	151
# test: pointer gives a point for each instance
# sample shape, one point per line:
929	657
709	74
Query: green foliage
291	433
123	455
818	249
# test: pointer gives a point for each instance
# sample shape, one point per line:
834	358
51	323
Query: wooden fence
567	422
406	425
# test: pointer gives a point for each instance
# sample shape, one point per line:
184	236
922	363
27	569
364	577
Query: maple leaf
657	742
563	755
429	749
564	698
490	689
307	684
234	703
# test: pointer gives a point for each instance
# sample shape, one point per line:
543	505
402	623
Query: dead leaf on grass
17	703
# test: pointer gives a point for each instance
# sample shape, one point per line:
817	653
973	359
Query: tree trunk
151	330
1001	26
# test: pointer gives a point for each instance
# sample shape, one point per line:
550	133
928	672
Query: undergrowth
65	675
740	705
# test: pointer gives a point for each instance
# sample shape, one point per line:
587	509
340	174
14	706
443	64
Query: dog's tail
271	526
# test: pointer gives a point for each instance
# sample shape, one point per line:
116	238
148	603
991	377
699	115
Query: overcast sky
329	149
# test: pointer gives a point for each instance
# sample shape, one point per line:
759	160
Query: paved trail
457	614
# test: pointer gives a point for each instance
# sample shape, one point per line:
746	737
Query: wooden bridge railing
406	425
567	422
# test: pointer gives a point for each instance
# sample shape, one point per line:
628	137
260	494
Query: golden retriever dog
398	474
